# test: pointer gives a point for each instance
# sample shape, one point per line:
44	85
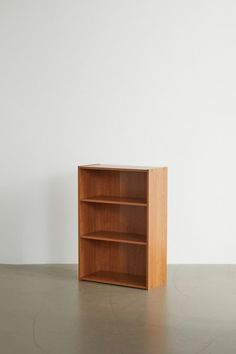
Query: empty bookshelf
123	225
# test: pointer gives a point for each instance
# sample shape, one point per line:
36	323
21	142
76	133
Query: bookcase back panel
113	184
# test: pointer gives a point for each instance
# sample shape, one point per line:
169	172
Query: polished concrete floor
43	309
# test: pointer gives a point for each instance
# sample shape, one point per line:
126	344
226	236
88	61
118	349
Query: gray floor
43	309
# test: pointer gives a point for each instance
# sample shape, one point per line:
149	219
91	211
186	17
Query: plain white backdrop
124	82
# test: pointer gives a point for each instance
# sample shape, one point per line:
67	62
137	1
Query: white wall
128	82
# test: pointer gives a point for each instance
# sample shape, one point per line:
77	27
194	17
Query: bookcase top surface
98	166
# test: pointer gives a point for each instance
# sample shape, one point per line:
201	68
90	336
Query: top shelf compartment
113	186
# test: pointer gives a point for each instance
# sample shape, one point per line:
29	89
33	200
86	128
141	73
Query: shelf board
134	281
116	237
115	200
118	168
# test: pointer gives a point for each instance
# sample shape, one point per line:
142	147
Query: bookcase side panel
157	227
79	219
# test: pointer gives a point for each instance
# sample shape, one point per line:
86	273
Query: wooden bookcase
123	225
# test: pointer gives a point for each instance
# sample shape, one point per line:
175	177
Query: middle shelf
120	237
112	222
115	200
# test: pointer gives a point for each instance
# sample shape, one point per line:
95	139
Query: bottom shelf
134	281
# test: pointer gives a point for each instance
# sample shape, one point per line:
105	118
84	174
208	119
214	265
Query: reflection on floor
44	309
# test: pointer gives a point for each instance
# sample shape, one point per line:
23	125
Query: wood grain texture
99	166
114	218
113	184
122	225
157	227
112	257
135	281
80	266
120	237
115	200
